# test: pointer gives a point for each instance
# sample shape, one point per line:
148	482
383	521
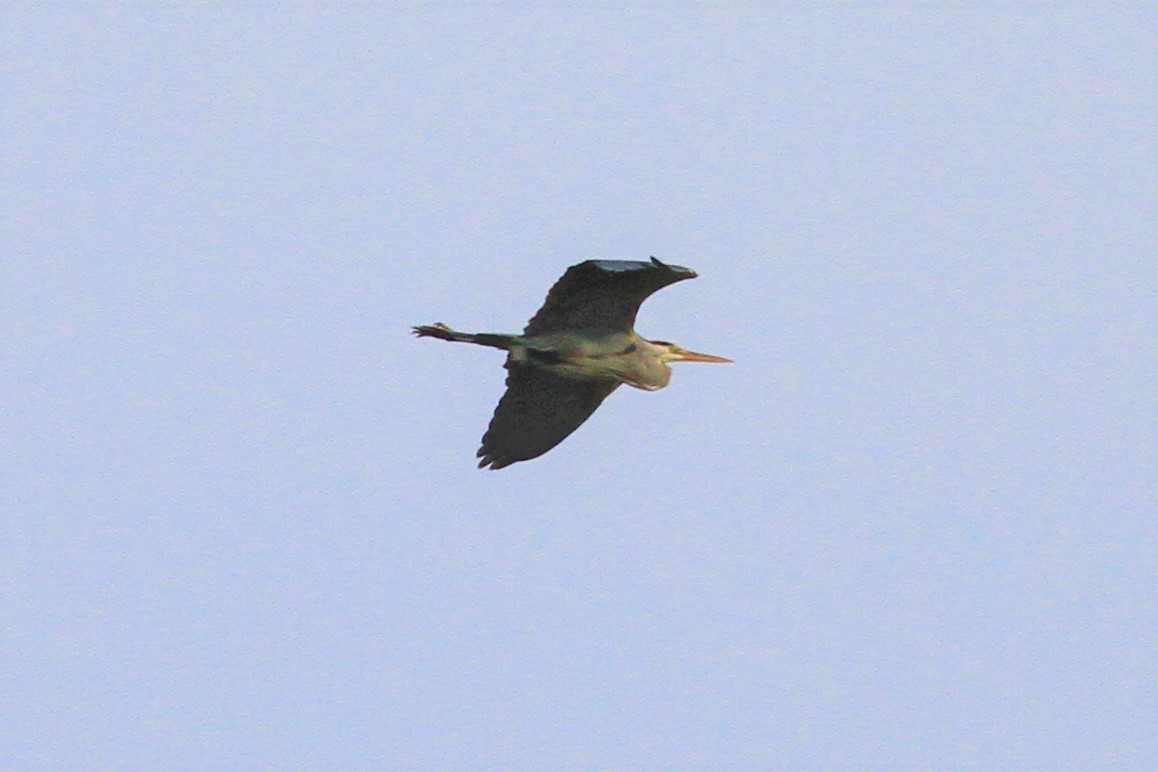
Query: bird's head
673	353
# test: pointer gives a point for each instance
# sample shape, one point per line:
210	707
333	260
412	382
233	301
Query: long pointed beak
692	356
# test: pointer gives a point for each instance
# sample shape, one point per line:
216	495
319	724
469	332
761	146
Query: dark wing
602	295
538	411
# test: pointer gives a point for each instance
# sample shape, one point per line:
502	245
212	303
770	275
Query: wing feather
537	412
602	295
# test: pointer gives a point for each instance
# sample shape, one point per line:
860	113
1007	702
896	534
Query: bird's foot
436	330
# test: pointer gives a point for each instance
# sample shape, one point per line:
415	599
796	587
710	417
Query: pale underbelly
592	368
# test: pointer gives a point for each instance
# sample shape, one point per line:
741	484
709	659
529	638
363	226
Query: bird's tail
442	332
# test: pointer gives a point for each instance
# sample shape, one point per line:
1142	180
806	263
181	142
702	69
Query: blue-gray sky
911	527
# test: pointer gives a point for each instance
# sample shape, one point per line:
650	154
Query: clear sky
912	527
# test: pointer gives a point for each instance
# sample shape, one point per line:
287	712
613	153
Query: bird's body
618	356
574	352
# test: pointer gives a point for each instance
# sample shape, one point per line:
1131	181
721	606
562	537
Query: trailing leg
442	332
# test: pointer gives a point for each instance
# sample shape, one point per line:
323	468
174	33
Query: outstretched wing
537	412
602	295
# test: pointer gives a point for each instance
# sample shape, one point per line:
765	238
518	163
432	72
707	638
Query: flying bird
578	348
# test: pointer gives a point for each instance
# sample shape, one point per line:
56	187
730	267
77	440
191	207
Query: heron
577	349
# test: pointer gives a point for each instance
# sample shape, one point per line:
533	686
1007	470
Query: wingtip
490	464
488	461
690	274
